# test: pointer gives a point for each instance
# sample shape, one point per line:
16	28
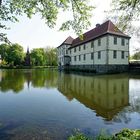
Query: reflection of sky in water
52	104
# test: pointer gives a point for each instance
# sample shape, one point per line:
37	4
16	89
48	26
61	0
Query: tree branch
77	6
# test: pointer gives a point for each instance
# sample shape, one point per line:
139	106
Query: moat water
48	105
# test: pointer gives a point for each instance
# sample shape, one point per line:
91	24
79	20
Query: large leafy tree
48	9
15	54
12	54
38	57
51	56
3	51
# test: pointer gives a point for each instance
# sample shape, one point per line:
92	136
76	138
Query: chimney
97	25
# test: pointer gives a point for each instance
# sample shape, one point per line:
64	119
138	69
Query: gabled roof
68	41
106	28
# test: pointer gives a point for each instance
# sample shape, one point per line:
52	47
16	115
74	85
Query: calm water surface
48	105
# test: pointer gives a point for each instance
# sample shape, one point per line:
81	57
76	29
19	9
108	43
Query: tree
12	54
51	56
3	51
38	57
126	12
136	56
48	9
15	54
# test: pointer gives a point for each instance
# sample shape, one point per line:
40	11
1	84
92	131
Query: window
84	57
99	42
66	51
122	54
79	48
115	40
74	49
99	55
114	54
84	46
123	42
70	51
74	58
79	57
92	44
92	56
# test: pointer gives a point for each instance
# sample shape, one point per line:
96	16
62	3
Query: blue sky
34	33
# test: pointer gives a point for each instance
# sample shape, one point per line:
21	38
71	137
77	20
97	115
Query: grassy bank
125	134
27	67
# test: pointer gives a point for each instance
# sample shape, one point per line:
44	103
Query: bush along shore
125	134
27	67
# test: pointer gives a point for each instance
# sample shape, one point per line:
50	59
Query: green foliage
3	63
125	134
44	57
15	55
48	9
4	51
136	56
38	57
103	136
78	136
125	12
51	56
12	54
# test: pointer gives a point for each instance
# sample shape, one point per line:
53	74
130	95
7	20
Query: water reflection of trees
12	80
44	78
15	79
107	94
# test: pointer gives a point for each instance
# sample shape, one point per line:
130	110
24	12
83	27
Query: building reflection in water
105	94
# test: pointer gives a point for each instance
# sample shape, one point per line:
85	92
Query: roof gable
69	41
107	27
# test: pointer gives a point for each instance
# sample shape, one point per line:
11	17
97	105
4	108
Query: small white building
104	49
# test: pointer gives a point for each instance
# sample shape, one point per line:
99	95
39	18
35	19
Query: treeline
136	56
13	55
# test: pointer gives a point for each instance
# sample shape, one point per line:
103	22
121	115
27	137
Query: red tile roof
69	41
107	27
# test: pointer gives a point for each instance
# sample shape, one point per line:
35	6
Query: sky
34	33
